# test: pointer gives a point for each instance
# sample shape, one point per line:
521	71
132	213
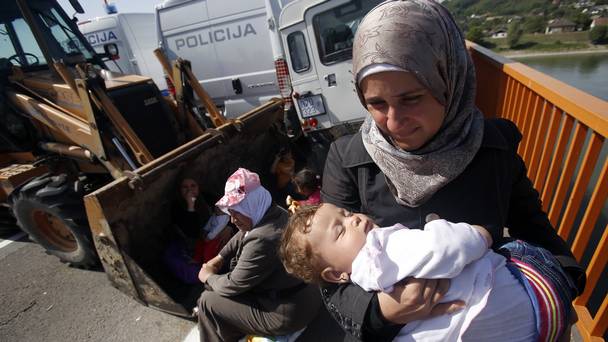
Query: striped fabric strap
551	320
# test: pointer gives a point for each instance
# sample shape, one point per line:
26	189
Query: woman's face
402	108
189	188
241	221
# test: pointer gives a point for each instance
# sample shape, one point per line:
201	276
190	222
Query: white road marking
193	335
11	239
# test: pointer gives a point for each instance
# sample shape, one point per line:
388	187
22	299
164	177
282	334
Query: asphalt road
42	299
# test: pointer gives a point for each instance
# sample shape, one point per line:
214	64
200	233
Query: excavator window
63	34
17	42
61	38
6	45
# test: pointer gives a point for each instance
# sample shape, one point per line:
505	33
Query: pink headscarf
244	193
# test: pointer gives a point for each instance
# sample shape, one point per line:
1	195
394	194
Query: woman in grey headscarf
425	152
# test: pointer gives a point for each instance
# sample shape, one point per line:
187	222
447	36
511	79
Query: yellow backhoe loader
72	129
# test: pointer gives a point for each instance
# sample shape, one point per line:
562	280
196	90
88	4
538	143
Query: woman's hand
212	266
204	273
190	199
215	264
416	299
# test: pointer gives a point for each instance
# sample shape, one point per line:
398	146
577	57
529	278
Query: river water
588	72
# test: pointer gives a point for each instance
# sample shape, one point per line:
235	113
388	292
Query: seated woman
282	171
198	235
256	296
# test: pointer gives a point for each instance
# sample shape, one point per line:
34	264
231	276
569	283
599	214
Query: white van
245	52
318	37
232	47
135	36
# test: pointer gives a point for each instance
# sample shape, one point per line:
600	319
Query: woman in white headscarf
255	296
425	152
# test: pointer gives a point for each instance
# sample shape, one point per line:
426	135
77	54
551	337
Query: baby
327	244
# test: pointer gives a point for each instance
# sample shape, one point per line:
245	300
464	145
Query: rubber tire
68	207
8	224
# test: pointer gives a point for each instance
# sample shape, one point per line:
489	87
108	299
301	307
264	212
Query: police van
233	46
247	51
134	34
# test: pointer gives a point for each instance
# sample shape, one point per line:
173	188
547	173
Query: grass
544	42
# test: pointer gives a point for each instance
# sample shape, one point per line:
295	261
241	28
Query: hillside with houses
533	25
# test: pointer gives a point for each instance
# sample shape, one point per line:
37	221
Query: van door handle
237	86
331	80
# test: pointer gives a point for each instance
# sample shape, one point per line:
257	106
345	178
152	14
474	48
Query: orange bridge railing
564	132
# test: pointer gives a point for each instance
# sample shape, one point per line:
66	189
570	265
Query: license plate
311	106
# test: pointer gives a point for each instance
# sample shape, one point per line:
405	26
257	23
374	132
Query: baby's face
337	235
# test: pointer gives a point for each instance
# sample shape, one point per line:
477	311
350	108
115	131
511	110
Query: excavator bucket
130	217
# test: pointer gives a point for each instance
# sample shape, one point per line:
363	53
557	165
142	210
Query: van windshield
335	29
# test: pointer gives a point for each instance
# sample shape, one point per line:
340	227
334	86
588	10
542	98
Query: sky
95	8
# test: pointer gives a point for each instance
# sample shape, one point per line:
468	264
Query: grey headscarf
421	37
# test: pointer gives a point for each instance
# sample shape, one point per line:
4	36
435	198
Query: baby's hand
294	206
484	232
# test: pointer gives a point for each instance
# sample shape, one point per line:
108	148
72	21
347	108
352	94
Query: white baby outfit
459	252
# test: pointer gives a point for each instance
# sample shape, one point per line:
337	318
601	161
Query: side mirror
111	51
77	7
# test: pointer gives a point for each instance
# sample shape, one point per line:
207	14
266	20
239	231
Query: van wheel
51	211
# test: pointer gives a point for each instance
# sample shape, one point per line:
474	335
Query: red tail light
313	122
170	86
280	65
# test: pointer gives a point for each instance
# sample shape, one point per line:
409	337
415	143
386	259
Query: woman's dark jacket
190	223
493	191
254	261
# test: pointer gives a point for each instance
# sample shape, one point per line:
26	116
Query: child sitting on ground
529	290
308	184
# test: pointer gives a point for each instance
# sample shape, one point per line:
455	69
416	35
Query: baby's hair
295	251
307	179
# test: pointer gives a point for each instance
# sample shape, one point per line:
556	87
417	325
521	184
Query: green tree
558	13
514	34
599	35
582	20
534	24
475	34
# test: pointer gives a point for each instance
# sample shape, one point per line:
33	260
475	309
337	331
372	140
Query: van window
335	29
297	52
